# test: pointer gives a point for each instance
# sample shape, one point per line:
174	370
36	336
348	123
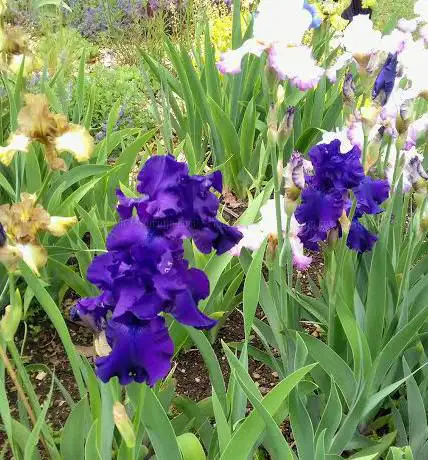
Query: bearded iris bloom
279	27
37	124
19	225
410	167
326	197
144	275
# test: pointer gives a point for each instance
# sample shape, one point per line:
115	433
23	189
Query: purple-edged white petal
295	64
415	130
230	61
300	261
252	239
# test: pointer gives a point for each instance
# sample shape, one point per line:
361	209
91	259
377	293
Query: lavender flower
144	275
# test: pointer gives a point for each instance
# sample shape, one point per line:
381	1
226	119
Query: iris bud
10	322
348	90
286	125
272	122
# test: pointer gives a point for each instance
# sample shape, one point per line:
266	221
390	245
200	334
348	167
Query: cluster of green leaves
124	84
227	115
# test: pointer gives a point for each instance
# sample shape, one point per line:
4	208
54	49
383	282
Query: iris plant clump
144	274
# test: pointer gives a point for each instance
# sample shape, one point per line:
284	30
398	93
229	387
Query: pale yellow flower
33	255
15	63
14	48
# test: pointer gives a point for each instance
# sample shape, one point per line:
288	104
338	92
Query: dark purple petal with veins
333	169
160	172
318	213
141	352
370	194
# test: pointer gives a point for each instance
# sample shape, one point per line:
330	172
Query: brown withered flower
37	124
19	225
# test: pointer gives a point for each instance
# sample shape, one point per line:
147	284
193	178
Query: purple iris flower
384	83
327	196
141	351
178	205
319	212
144	275
370	194
333	169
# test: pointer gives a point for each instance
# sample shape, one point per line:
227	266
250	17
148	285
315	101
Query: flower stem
19	389
276	188
44	187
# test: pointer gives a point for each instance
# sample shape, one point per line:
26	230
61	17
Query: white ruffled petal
295	64
230	62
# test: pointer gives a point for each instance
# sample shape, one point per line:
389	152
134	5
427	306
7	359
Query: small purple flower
384	83
326	196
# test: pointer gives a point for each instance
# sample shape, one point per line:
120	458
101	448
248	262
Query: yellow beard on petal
77	141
